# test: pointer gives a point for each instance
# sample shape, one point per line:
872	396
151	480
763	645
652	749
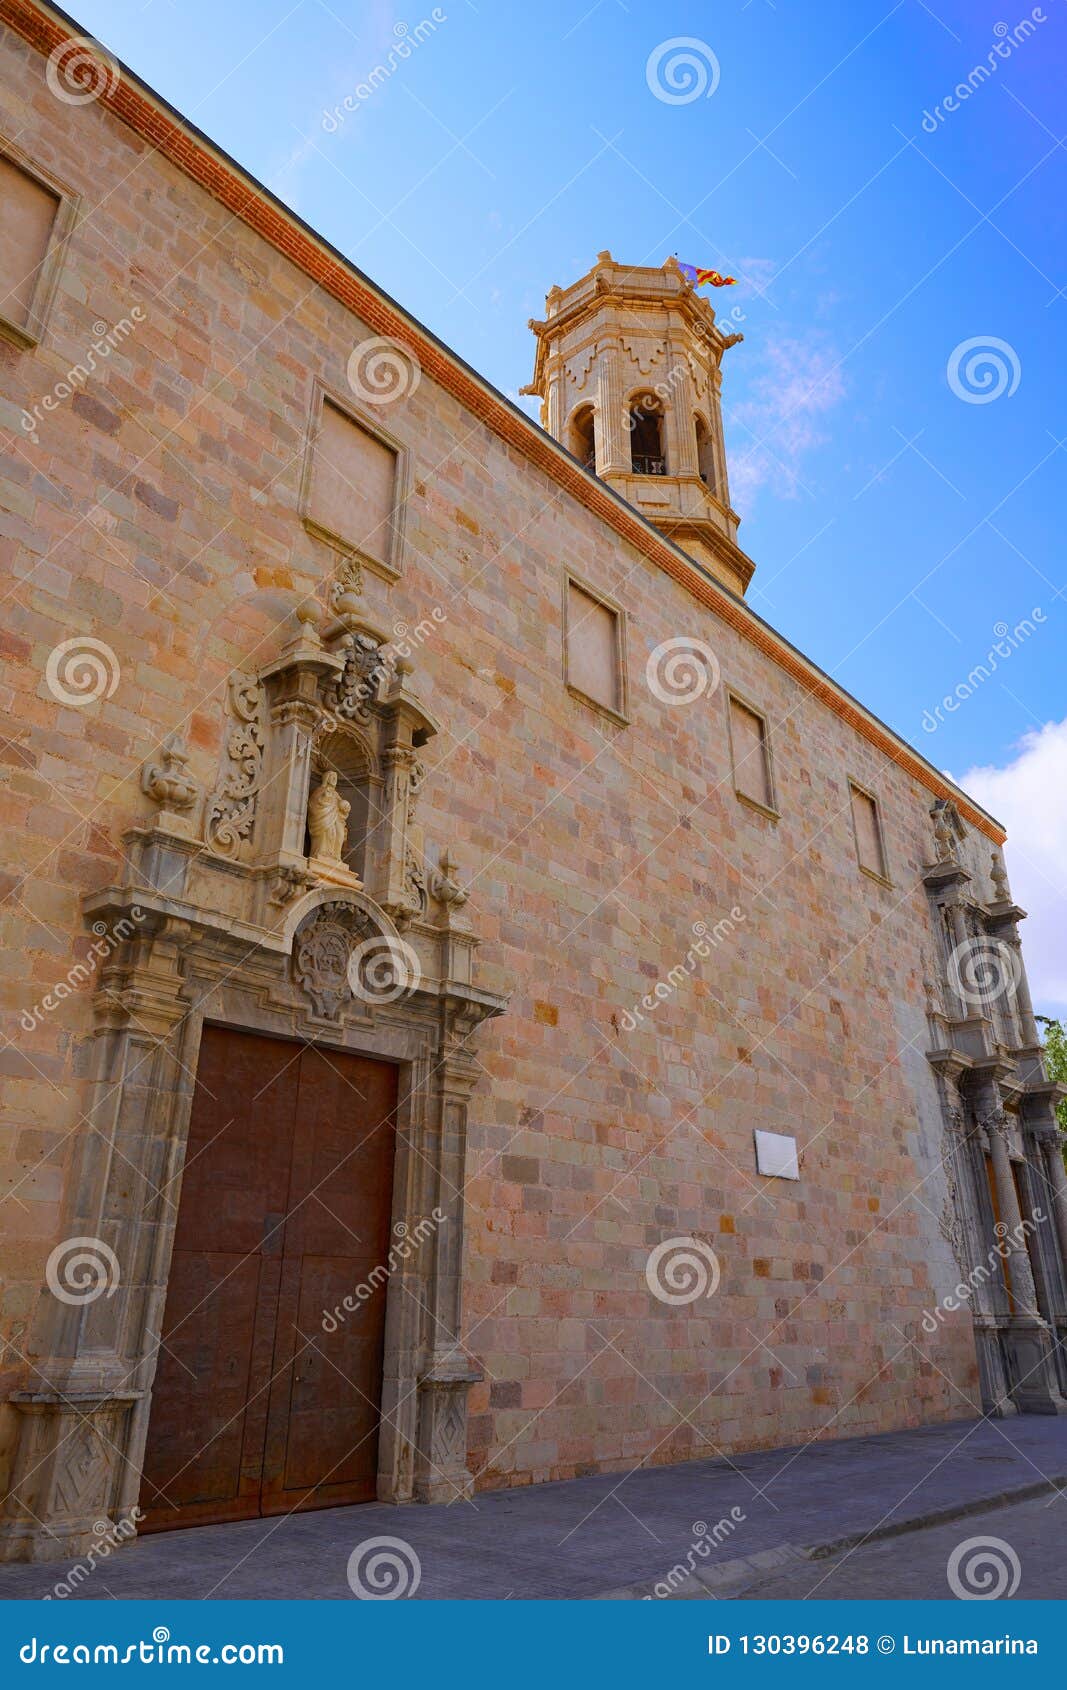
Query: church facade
482	1007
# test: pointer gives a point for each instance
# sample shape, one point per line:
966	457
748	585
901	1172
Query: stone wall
157	511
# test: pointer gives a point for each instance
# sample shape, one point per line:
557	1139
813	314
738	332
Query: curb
721	1579
936	1517
725	1579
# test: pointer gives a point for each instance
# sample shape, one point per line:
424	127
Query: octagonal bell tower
628	374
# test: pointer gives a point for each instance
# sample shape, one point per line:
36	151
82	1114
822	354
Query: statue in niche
328	820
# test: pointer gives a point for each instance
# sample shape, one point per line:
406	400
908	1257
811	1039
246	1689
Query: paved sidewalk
602	1535
1018	1552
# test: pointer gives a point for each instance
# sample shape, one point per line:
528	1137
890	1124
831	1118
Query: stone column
406	727
722	484
83	1412
613	440
1026	1336
681	434
966	1174
1013	1244
1023	1002
292	683
1057	1184
960	937
441	1472
554	398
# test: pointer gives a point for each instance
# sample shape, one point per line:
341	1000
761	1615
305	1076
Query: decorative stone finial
346	589
444	885
170	785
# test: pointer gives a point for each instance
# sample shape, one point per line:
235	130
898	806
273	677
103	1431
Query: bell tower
628	374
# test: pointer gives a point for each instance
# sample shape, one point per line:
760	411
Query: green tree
1056	1059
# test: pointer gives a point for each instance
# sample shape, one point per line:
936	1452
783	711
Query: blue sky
896	526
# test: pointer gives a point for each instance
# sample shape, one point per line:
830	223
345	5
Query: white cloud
799	383
1029	795
757	272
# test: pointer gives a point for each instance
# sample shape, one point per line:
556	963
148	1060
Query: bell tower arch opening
644	419
581	441
706	468
628	371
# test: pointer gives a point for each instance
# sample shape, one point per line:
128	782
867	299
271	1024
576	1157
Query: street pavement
1018	1552
733	1522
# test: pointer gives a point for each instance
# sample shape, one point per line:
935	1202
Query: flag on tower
714	277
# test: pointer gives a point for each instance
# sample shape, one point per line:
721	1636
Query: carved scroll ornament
231	811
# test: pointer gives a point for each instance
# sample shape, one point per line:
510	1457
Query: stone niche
237	908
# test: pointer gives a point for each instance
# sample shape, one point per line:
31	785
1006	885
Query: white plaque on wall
776	1154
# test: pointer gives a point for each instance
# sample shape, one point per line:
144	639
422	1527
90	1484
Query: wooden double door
285	1211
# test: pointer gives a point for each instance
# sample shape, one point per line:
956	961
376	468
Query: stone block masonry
158	512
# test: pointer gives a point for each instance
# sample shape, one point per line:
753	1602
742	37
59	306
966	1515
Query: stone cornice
45	27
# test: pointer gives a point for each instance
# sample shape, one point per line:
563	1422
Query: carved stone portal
239	923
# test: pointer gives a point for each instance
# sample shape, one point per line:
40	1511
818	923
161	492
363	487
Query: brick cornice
45	29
